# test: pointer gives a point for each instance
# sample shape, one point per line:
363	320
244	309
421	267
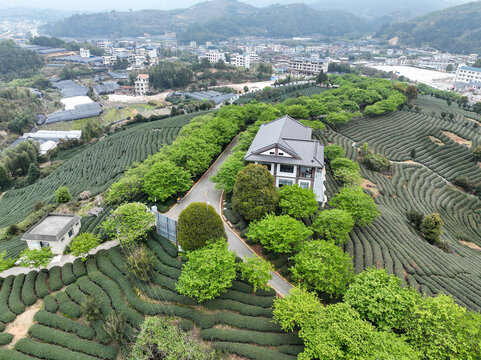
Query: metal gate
167	227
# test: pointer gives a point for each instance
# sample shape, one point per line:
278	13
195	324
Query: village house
141	84
54	230
286	148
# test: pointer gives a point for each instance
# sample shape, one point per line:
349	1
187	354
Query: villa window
304	184
284	182
268	166
70	233
306	172
287	169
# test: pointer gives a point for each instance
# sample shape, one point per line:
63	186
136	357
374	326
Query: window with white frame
287	169
304	184
284	182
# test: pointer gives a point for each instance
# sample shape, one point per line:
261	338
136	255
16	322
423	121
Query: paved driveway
204	191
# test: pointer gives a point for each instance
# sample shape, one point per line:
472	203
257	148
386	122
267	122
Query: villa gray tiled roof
290	136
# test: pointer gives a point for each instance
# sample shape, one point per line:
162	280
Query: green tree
477	108
411	93
140	263
115	326
346	170
129	224
322	266
297	202
360	205
257	271
476	153
254	194
63	195
35	258
449	68
165	179
209	271
90	309
82	244
441	329
159	339
198	223
332	152
278	233
333	225
431	227
379	298
297	309
322	78
335	118
225	177
297	111
33	173
4	176
6	263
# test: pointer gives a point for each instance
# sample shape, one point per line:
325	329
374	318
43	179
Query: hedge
254	337
65	324
167	245
72	342
2	326
79	268
229	215
41	287
55	279
291	349
28	289
163	255
50	304
244	309
14	355
48	351
14	301
100	334
67	306
252	352
5	338
75	294
186	325
242	224
94	290
6	315
68	276
249	299
116	258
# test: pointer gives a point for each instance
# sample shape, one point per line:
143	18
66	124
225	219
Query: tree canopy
297	202
333	225
165	179
225	177
82	244
254	193
198	223
209	271
34	258
360	205
322	266
278	233
256	270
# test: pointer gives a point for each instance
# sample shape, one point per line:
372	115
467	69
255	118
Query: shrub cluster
372	161
28	289
65	324
47	351
14	355
50	303
41	287
6	315
67	306
247	336
68	275
5	338
252	351
55	278
14	301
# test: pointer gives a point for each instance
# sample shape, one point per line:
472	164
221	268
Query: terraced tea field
95	168
238	321
391	242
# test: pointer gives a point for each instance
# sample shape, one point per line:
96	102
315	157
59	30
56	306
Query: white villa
286	148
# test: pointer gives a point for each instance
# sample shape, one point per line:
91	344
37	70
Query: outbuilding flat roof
51	227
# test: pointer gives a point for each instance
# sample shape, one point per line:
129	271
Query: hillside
212	20
456	29
379	8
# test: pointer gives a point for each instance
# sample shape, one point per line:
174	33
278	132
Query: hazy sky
100	5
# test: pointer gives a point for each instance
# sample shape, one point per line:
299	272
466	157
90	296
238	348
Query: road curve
204	191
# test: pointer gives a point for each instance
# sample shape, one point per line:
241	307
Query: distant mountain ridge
456	29
216	20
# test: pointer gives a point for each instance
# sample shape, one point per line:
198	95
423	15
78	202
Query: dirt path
19	327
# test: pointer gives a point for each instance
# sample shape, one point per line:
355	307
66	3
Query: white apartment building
84	53
301	65
104	45
245	60
141	84
109	60
468	74
214	56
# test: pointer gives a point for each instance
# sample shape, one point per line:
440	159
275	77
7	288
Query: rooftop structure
54	230
286	148
468	74
311	66
216	96
79	112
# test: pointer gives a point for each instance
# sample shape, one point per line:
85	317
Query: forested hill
456	29
213	20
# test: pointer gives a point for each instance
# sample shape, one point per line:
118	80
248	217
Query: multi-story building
468	74
84	53
286	148
309	66
245	60
214	56
141	84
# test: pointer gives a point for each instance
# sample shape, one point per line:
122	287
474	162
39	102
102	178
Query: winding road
205	191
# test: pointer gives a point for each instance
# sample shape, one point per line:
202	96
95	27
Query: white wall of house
57	247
